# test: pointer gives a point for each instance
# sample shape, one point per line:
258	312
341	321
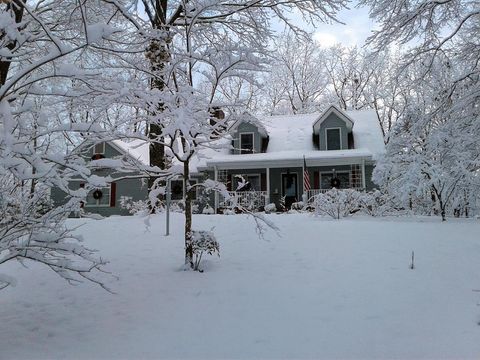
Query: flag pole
303	173
304	194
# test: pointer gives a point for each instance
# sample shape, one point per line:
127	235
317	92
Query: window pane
252	180
246	143
99	148
177	190
333	139
103	197
343	177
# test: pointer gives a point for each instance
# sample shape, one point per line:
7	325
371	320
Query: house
268	160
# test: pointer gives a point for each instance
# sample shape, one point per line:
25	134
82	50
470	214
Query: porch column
216	192
267	198
363	175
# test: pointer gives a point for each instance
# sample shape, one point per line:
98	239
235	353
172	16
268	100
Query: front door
289	189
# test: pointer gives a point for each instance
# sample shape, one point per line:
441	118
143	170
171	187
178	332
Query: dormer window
99	148
98	151
246	143
333	137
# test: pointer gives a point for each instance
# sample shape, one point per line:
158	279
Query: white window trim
331	173
240	141
340	134
103	149
281	182
86	204
252	174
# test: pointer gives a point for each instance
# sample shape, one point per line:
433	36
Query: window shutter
263	182
316	180
113	194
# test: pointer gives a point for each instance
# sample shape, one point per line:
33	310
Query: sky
355	30
358	26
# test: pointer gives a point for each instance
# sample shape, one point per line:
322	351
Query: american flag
306	176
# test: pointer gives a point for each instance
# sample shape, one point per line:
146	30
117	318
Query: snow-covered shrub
269	208
177	206
228	212
376	203
337	203
203	241
299	205
138	207
282	204
207	210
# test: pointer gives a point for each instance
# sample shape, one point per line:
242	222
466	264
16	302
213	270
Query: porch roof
290	159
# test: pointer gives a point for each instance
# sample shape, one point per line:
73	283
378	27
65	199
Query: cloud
325	39
355	30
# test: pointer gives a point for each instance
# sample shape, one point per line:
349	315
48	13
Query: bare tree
434	149
195	47
41	81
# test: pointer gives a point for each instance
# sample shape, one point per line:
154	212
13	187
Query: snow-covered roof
290	138
248	118
138	149
367	132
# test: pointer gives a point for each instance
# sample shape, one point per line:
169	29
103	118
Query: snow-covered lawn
324	289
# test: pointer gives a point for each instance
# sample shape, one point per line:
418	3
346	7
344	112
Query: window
99	148
177	189
246	143
252	179
99	197
343	179
333	139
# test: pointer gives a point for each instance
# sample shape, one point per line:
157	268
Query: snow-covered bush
269	208
299	205
203	241
207	210
337	203
376	203
282	204
140	206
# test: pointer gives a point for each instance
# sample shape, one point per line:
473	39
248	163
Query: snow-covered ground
324	289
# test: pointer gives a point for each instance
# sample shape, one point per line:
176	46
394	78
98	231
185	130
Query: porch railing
248	199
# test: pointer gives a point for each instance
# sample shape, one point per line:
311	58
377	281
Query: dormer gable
249	135
333	130
98	150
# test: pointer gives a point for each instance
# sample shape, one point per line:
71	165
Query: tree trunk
18	9
442	209
188	216
158	54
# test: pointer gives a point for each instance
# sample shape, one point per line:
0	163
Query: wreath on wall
335	182
97	194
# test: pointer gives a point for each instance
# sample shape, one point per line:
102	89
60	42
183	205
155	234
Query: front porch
271	184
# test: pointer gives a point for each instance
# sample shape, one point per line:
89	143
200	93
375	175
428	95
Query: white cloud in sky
358	26
325	39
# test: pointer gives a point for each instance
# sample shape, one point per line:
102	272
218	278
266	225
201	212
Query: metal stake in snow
167	212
